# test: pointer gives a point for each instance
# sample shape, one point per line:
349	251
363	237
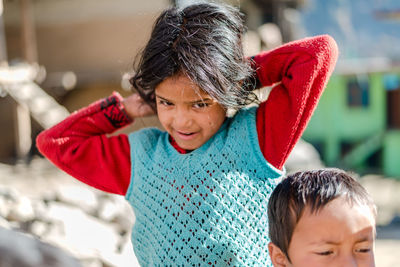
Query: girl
200	188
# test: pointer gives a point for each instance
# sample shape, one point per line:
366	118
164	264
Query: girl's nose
182	119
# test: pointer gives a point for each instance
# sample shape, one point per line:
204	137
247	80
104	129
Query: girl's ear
278	258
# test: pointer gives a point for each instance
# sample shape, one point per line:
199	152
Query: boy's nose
349	261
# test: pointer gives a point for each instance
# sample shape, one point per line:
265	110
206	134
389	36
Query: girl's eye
164	102
201	105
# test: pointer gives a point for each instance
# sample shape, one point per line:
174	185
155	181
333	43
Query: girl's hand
136	107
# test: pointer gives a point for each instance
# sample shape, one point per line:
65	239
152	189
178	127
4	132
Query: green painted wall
391	153
335	122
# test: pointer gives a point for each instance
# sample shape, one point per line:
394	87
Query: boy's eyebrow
360	239
365	234
320	242
364	239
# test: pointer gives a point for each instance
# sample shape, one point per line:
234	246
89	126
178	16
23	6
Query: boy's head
204	43
321	218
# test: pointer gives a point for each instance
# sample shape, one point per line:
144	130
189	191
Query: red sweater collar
177	147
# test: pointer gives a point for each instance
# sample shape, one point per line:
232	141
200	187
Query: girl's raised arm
300	70
79	145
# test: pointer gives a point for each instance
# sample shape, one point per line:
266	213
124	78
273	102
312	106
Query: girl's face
187	113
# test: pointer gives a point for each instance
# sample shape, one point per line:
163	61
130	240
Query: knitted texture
208	207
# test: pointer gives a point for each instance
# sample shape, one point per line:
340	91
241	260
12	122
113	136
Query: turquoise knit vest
205	208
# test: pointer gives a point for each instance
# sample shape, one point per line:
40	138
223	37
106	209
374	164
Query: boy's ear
278	258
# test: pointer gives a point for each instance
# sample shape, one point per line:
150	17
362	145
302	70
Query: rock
8	197
4	223
80	232
21	210
113	208
270	35
303	157
79	196
14	206
40	228
91	225
17	249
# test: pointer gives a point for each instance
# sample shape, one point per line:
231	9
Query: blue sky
355	26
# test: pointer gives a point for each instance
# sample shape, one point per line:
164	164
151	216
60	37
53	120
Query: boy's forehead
342	202
339	210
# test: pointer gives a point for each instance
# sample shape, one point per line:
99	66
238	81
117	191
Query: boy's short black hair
204	42
313	189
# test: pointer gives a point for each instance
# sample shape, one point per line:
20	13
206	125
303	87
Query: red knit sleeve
299	71
79	145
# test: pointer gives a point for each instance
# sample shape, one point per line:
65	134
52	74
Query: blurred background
57	56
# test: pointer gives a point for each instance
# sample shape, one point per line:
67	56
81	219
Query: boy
321	218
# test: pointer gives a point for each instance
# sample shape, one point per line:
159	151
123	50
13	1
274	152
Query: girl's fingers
145	110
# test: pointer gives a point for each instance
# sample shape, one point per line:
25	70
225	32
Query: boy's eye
363	250
201	105
325	253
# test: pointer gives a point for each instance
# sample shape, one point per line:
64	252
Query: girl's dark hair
313	189
204	42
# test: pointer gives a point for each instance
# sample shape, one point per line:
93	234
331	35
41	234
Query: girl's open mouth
186	136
